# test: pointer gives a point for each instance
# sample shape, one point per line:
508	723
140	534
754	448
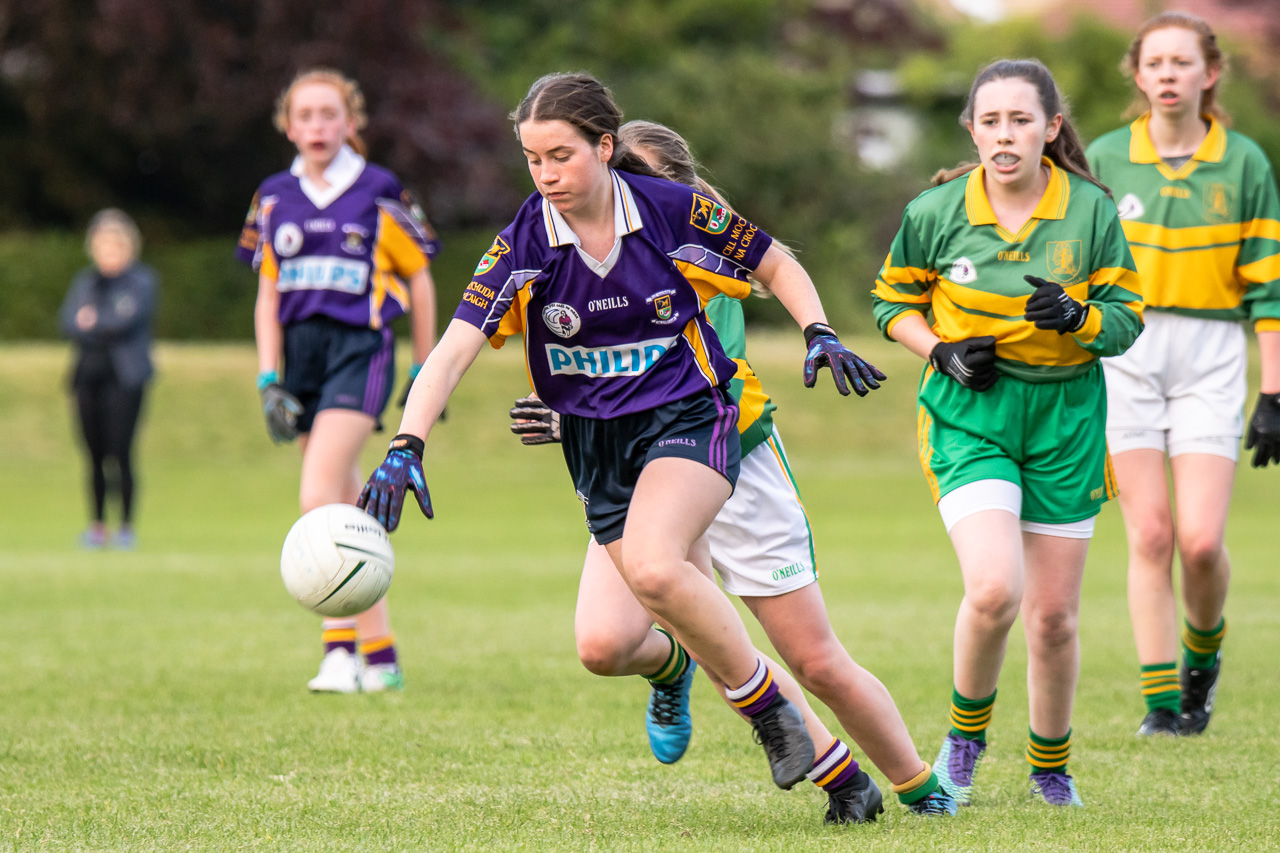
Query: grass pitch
155	700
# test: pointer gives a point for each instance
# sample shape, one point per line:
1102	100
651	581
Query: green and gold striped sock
1160	686
970	717
674	666
1046	753
1200	648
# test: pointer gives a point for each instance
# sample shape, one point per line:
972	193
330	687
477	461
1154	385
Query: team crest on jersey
709	215
1219	202
662	307
562	319
963	271
288	240
1130	207
354	241
497	250
1064	260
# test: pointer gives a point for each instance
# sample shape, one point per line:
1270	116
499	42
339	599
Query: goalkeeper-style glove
534	422
825	350
383	496
1264	431
1050	307
971	362
279	407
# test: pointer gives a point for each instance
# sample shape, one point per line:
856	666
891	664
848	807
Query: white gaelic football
337	561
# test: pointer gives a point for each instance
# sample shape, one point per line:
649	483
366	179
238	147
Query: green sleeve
725	315
1258	263
1113	289
906	280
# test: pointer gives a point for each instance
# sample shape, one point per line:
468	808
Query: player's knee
821	673
994	601
1052	628
1153	540
651	577
1199	552
600	654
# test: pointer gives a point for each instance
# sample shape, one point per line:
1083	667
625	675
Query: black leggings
109	419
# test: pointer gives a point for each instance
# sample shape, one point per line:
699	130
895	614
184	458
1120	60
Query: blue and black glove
1264	431
971	362
1050	307
825	350
279	407
383	496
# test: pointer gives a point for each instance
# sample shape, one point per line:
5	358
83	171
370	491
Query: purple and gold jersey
604	339
343	252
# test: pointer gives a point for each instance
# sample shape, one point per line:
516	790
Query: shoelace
1055	787
772	738
964	758
666	704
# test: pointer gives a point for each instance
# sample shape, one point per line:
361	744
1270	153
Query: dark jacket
121	337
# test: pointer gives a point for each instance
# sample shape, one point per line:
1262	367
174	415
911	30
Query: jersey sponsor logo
288	240
478	295
1064	260
1219	202
603	362
354	241
562	319
608	304
1130	207
661	302
709	215
319	226
497	250
963	271
339	274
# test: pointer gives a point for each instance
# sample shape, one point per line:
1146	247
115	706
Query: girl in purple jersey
654	473
340	251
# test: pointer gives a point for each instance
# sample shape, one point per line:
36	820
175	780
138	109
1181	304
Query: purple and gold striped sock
379	650
834	768
754	696
338	634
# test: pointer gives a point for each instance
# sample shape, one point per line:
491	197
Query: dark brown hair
1066	149
352	101
1213	59
586	105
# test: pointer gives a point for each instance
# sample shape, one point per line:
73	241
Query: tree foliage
166	106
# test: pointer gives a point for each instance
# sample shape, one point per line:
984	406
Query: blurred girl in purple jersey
341	251
606	271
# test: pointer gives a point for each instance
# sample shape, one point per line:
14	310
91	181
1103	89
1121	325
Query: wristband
267	377
814	330
408	441
414	370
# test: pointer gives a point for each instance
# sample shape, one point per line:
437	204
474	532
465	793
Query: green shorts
1047	438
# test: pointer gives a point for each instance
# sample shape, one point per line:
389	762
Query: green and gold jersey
1205	236
755	409
953	263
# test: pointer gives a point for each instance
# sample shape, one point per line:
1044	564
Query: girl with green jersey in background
1201	212
1012	281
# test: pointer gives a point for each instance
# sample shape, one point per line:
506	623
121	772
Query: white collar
626	216
340	175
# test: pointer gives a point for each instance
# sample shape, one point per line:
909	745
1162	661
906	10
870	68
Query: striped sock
754	696
970	717
379	650
917	787
674	666
1160	686
834	768
1200	648
338	634
1046	753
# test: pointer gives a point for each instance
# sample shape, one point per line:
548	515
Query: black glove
1264	431
825	350
281	409
540	424
971	362
1050	307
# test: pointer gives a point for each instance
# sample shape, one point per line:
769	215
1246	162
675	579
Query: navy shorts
331	365
605	457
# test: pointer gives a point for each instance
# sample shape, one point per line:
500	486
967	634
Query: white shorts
761	544
1180	388
963	501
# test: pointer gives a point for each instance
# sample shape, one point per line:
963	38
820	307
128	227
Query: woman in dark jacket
108	313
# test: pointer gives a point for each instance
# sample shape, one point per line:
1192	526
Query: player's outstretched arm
788	281
401	472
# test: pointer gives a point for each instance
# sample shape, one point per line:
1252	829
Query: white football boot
339	673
